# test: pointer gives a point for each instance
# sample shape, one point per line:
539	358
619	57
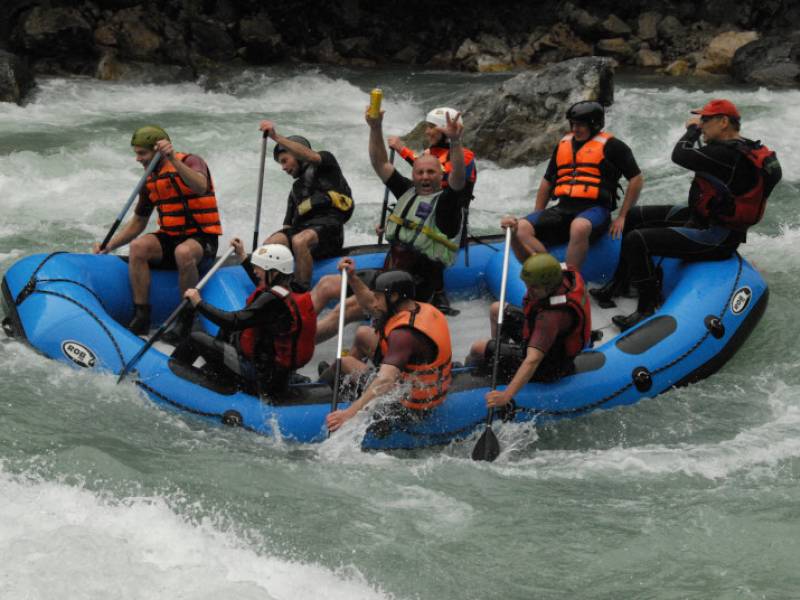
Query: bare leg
365	343
143	250
476	353
494	310
302	245
527	237
579	231
188	255
278	238
328	326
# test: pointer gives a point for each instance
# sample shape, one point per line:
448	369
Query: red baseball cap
718	107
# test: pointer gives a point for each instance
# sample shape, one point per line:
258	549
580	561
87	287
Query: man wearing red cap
733	177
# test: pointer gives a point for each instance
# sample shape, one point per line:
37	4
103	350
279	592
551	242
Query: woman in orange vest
410	344
260	345
180	189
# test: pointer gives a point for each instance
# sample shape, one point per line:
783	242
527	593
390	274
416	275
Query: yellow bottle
375	97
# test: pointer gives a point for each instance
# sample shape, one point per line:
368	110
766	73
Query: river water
690	495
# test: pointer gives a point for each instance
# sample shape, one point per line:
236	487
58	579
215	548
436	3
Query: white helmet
438	118
274	256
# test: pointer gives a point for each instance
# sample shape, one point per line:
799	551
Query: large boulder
55	32
771	61
520	122
721	49
262	42
16	79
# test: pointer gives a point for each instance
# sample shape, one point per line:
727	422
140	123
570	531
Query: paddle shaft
260	189
340	336
156	159
385	208
496	357
184	303
488	448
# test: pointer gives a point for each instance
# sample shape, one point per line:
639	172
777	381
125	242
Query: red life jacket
715	201
571	295
295	348
181	211
429	382
578	174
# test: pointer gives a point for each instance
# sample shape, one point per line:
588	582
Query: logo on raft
78	353
740	300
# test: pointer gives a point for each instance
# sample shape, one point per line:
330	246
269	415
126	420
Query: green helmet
147	136
541	269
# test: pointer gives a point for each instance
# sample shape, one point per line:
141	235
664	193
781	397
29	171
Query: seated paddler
319	203
539	342
259	346
180	189
408	342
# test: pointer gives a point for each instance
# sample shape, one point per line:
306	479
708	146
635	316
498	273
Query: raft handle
715	326
232	418
642	379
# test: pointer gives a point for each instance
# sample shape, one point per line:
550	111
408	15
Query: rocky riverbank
752	41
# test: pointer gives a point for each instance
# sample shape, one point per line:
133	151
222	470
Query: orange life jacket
295	348
430	381
443	154
716	202
578	175
571	295
180	210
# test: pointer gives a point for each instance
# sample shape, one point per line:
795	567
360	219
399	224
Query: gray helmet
395	281
588	112
279	148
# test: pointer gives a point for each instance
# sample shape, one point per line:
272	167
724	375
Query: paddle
385	203
338	371
488	448
260	188
175	313
156	159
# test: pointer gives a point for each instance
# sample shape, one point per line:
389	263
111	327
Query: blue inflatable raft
70	307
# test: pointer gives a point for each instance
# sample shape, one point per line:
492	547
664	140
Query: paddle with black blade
260	189
338	370
488	448
175	313
156	159
385	208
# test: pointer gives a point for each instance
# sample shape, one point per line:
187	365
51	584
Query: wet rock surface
112	38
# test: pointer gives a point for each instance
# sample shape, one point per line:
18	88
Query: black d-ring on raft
232	418
642	379
715	326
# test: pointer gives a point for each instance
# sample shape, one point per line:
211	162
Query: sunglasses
710	117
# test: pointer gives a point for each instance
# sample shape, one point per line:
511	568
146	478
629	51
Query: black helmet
395	281
295	138
588	112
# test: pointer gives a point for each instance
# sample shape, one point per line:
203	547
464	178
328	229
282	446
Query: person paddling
409	343
181	190
259	346
319	203
542	339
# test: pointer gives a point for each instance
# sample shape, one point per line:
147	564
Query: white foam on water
60	541
774	254
757	451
